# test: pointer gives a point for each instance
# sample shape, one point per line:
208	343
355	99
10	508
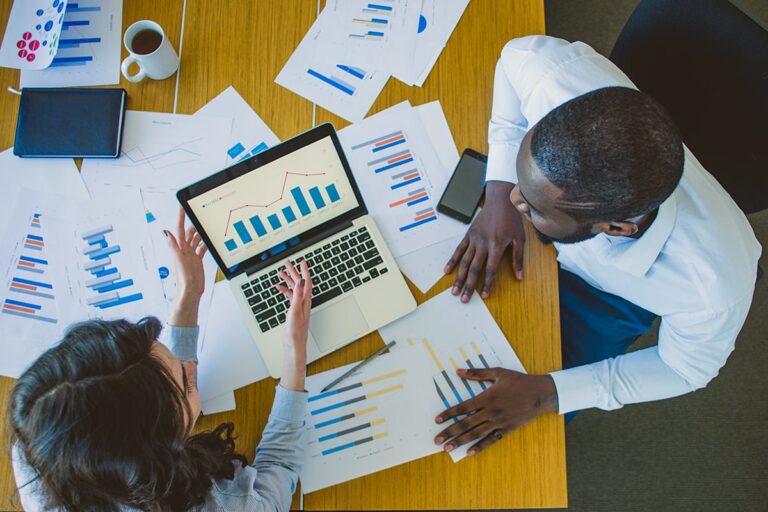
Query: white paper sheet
437	21
400	177
88	48
162	152
424	267
359	32
32	33
54	175
382	424
66	261
452	335
221	403
228	357
250	135
343	88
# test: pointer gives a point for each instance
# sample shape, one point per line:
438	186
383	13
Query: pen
360	365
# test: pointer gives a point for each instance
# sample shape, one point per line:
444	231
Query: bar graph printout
400	177
445	335
29	318
105	265
373	420
347	89
88	47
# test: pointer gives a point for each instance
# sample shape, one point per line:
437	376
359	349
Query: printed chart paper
346	89
32	34
88	47
400	177
450	335
162	152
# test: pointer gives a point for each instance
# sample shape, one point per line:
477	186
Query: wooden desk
245	44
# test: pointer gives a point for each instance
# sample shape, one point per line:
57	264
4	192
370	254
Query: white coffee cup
157	60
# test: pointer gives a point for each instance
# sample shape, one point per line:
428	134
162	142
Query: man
641	230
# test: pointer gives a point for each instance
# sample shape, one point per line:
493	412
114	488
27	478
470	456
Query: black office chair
707	63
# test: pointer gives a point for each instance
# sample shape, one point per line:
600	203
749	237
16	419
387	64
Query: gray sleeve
182	341
281	451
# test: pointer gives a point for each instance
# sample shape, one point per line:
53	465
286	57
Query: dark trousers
595	325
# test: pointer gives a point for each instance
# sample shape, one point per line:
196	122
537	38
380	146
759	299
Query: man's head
595	164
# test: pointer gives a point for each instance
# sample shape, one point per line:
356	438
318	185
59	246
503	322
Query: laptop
299	201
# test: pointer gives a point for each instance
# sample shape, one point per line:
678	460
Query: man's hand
498	225
513	400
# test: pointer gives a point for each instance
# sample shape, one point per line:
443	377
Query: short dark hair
616	150
100	421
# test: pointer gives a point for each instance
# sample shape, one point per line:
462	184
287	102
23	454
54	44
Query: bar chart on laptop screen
272	204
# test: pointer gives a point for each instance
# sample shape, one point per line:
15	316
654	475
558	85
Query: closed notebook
70	122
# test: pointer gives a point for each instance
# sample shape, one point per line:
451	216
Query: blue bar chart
304	201
342	78
107	284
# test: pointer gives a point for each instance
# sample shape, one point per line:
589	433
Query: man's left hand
513	400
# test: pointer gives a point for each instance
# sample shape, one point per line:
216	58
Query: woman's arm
281	452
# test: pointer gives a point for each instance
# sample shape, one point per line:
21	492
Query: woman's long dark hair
101	422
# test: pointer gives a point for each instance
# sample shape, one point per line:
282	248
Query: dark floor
707	451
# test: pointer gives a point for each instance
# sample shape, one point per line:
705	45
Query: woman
103	420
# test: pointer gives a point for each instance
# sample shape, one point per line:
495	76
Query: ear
617	228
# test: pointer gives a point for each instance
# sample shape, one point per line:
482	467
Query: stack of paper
354	46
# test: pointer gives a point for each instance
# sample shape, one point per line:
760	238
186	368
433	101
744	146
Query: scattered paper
221	403
401	178
88	48
250	135
228	357
451	335
32	33
343	88
437	21
162	152
54	175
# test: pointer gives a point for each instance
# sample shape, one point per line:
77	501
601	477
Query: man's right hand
498	225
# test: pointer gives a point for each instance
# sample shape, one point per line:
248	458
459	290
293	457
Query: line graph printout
373	420
162	152
445	335
276	202
400	177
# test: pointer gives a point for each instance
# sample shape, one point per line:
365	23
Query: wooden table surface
245	43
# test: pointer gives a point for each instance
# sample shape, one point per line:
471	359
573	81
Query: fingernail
448	447
438	420
455	290
484	295
439	440
520	275
471	453
301	282
465	298
446	269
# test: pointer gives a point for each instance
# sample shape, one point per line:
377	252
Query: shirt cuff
576	389
289	405
182	341
502	162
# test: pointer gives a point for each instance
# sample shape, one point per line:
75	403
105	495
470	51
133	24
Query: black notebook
70	123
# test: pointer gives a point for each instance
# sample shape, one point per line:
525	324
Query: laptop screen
264	211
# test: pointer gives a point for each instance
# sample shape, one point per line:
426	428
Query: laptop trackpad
337	324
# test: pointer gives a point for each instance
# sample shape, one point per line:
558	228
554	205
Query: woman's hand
297	289
188	251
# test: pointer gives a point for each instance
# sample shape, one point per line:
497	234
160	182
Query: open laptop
299	201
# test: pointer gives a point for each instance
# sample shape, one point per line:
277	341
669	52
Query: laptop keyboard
338	267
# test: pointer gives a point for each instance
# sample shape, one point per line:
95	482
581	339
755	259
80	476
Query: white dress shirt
695	266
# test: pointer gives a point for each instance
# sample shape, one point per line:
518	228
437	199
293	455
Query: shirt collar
635	256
